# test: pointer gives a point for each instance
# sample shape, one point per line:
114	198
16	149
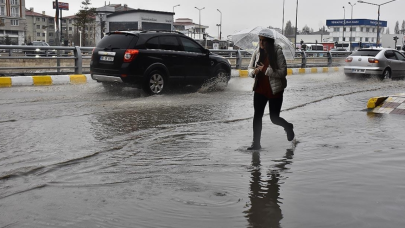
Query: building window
44	19
367	29
38	19
70	28
373	29
361	29
38	34
70	21
2	12
14	2
366	39
43	34
38	26
14	22
2	1
361	39
336	29
353	29
372	39
70	35
335	38
14	12
352	39
51	34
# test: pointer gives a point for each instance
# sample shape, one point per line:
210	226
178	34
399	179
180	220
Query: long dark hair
270	50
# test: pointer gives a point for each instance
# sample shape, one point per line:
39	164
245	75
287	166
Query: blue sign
350	22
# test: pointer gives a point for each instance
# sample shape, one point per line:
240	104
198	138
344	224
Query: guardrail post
304	60
329	59
78	60
238	59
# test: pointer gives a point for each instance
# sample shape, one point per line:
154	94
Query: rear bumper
363	70
105	78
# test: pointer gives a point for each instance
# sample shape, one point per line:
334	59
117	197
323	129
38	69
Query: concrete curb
393	104
44	80
292	71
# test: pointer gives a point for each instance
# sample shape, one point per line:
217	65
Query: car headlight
37	49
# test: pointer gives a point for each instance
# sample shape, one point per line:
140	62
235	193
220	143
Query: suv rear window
363	52
120	41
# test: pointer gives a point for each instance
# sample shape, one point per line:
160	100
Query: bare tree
396	29
84	18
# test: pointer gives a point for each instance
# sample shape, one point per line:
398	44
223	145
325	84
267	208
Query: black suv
152	59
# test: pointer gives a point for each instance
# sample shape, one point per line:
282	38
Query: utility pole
351	26
220	25
296	21
344	22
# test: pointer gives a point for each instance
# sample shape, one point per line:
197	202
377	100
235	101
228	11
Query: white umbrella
248	39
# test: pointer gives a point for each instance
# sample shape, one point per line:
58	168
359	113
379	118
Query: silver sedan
383	62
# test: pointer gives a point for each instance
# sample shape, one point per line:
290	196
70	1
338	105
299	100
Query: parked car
383	62
152	59
39	51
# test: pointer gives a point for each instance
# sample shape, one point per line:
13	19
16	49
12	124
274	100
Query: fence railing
20	60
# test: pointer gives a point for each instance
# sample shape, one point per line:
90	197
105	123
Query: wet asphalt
78	156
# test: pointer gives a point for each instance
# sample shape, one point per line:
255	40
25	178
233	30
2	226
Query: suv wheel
221	76
155	82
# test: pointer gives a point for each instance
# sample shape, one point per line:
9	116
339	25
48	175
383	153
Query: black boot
254	146
290	132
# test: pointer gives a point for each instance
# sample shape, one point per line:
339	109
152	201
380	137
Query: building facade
39	27
110	18
189	28
355	31
12	21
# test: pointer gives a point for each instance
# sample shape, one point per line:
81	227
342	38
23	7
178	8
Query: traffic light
395	38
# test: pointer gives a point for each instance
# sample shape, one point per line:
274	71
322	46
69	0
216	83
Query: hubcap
156	83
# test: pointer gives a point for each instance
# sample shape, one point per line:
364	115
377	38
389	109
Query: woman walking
269	68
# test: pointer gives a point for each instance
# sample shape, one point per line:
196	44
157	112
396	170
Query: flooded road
76	156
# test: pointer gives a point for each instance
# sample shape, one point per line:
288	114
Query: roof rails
144	31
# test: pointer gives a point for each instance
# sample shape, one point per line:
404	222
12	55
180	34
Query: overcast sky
239	14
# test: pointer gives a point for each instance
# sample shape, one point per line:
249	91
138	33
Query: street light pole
344	22
282	27
220	25
296	21
199	21
351	26
175	6
378	20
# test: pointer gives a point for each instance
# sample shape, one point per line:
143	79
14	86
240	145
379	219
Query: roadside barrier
47	80
393	104
293	71
44	80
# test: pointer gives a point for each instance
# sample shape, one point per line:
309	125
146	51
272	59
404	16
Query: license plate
107	58
358	71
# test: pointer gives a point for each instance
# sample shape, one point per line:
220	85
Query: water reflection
264	196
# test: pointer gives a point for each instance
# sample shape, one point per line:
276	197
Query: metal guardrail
239	58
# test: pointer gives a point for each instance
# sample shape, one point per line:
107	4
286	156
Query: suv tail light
349	59
373	60
129	55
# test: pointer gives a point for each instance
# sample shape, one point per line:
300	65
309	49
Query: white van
312	47
345	46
